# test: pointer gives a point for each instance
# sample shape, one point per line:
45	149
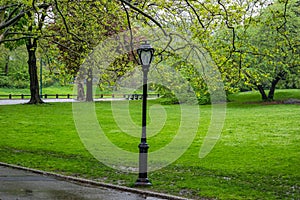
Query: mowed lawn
256	157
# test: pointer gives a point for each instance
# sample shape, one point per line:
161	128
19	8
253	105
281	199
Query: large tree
265	48
21	23
73	27
200	20
274	40
85	25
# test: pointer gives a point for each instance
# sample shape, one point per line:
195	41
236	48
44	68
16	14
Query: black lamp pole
145	53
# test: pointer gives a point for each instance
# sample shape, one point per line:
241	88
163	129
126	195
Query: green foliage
168	99
180	82
13	66
253	43
278	29
4	81
272	56
254	46
292	81
85	24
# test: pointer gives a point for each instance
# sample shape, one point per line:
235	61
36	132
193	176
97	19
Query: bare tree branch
13	20
283	25
2	8
229	26
64	46
65	23
131	35
144	14
195	12
16	39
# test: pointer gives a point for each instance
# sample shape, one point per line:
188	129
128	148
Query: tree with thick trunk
31	45
261	90
273	86
25	23
274	82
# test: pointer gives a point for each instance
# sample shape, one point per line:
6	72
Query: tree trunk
80	90
262	92
89	85
31	45
273	86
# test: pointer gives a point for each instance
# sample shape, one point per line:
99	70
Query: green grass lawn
46	90
254	96
257	156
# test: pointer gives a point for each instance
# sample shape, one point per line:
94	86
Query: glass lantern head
145	52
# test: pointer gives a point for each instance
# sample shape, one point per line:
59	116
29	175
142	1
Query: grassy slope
257	156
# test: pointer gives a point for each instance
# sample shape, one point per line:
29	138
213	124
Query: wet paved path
23	185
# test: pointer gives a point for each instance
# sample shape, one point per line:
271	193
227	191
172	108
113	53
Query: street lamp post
145	53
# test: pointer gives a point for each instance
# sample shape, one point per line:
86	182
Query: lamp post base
143	182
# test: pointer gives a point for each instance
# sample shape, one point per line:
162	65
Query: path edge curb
96	183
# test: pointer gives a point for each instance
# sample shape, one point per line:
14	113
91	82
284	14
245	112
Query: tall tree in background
275	42
265	48
85	25
198	19
253	42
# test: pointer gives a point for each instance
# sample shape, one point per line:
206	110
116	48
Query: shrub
4	81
